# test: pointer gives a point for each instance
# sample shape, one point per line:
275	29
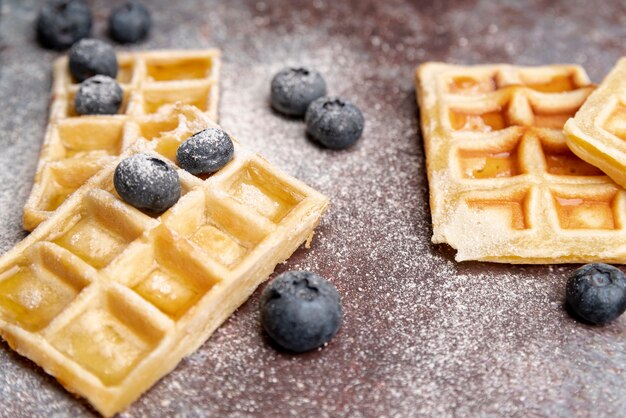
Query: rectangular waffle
504	186
75	147
108	300
597	133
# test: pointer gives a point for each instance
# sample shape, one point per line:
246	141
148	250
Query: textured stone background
422	335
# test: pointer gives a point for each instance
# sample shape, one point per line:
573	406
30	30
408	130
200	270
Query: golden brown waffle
75	147
108	300
597	133
504	186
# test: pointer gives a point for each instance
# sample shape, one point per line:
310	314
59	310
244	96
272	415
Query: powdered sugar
422	335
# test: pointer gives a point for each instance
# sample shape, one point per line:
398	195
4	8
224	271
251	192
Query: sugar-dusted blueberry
597	293
89	57
205	152
63	22
147	183
293	89
98	95
300	310
334	122
130	22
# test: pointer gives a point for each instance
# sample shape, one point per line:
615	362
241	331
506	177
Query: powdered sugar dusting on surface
422	335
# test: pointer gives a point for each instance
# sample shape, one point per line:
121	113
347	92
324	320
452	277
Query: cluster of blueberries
67	23
61	23
94	65
331	121
153	186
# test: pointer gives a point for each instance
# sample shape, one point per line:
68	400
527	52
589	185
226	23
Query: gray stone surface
422	335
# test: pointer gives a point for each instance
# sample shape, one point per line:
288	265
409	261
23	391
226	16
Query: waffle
75	147
598	131
108	300
504	186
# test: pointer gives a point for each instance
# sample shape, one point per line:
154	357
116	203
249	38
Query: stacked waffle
108	299
598	131
504	185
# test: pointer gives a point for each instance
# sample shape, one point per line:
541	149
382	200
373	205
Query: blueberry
98	95
147	183
300	310
89	57
293	89
597	293
334	122
129	22
62	22
205	152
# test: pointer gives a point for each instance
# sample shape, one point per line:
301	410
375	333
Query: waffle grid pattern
597	133
504	185
76	147
108	299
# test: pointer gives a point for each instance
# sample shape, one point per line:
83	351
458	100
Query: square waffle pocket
75	147
504	186
597	133
108	300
